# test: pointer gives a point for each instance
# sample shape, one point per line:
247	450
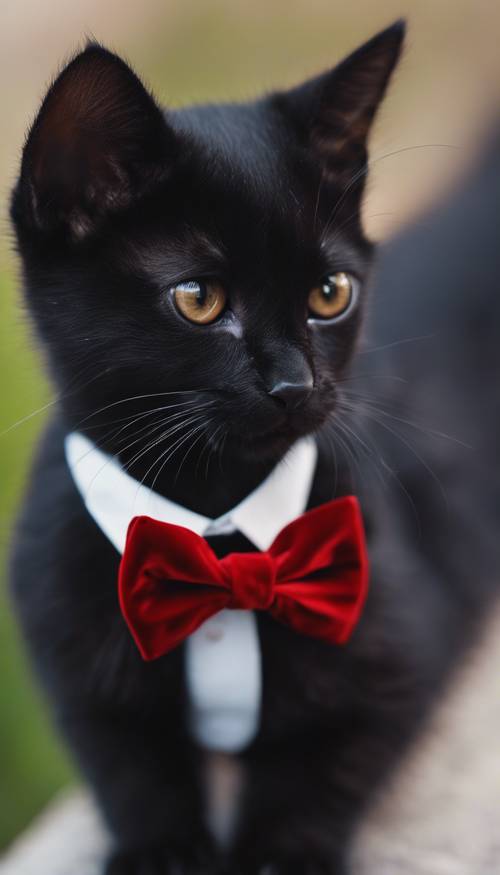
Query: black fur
113	206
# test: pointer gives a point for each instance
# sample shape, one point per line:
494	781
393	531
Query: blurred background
446	90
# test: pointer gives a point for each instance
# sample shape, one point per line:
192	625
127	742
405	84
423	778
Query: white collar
113	498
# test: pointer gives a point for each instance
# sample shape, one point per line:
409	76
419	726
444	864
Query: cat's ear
333	113
98	142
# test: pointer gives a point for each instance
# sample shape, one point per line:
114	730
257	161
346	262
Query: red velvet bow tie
314	578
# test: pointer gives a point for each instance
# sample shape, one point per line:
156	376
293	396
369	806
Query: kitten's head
215	252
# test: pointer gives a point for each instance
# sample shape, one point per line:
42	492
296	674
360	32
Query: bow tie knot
251	577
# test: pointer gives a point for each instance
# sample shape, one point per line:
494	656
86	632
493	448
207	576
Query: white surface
223	662
68	839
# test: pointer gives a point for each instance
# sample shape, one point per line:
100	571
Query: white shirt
223	661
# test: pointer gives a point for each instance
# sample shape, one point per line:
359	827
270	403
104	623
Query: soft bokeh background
190	50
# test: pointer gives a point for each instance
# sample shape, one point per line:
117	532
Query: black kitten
215	253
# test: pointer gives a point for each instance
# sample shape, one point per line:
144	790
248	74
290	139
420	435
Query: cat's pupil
329	290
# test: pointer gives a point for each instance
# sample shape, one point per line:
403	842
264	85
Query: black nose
292	394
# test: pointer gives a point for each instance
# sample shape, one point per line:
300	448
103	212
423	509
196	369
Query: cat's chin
271	445
262	447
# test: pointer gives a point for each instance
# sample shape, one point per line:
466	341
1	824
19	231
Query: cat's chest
223	676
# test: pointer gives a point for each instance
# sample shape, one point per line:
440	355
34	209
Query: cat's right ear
98	142
332	114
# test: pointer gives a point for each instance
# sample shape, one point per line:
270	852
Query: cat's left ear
98	143
333	113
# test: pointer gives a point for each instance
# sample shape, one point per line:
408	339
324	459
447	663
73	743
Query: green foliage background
32	765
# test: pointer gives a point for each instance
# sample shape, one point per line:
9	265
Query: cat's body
432	362
265	196
333	720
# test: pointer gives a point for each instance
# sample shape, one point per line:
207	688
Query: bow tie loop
251	578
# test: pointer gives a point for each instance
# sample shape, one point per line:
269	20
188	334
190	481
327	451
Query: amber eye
333	297
200	301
